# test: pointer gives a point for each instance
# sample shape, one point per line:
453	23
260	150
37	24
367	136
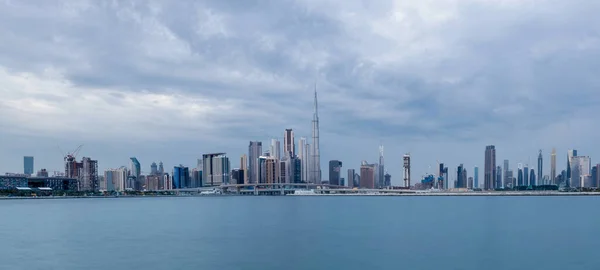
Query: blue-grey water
301	233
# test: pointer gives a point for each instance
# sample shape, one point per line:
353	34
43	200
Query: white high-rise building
244	167
580	169
553	167
302	155
254	152
275	149
114	179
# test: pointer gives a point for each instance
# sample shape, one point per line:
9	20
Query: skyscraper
532	178
596	175
367	175
335	167
350	180
406	166
490	167
461	177
381	174
498	177
114	180
553	167
289	143
216	169
181	177
540	169
161	169
570	155
316	154
275	149
244	168
303	156
526	175
28	165
135	167
505	170
520	180
153	169
580	168
271	170
254	152
88	178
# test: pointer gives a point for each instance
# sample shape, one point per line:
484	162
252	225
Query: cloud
420	76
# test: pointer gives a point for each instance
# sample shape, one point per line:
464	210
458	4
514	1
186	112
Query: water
301	233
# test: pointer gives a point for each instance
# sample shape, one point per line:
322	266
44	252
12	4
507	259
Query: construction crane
73	154
71	163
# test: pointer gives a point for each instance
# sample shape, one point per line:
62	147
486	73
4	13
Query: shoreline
434	194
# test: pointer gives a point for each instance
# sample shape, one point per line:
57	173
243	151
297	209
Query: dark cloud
221	73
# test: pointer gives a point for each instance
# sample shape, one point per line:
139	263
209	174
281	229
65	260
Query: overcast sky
170	80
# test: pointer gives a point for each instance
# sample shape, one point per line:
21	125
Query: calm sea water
301	233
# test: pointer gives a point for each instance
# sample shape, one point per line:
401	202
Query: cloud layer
170	80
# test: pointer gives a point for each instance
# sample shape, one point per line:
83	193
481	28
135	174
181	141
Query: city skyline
434	91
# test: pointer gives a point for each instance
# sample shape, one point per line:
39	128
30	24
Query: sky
171	80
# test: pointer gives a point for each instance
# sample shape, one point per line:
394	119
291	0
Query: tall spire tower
316	156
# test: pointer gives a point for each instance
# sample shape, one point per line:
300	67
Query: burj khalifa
316	157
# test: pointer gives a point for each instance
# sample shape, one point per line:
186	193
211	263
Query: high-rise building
296	170
181	176
135	167
476	177
532	178
441	179
596	175
153	182
89	174
289	143
272	170
406	166
498	177
350	178
153	169
553	167
580	168
303	156
387	182
526	175
244	167
254	152
262	169
506	168
520	179
335	167
381	168
461	177
28	168
114	180
470	182
237	176
570	154
367	175
490	167
308	163
215	169
275	149
540	169
196	178
161	169
315	152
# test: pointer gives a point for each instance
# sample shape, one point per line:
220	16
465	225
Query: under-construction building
406	166
86	172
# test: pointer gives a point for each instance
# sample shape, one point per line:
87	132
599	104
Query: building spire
316	103
315	154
